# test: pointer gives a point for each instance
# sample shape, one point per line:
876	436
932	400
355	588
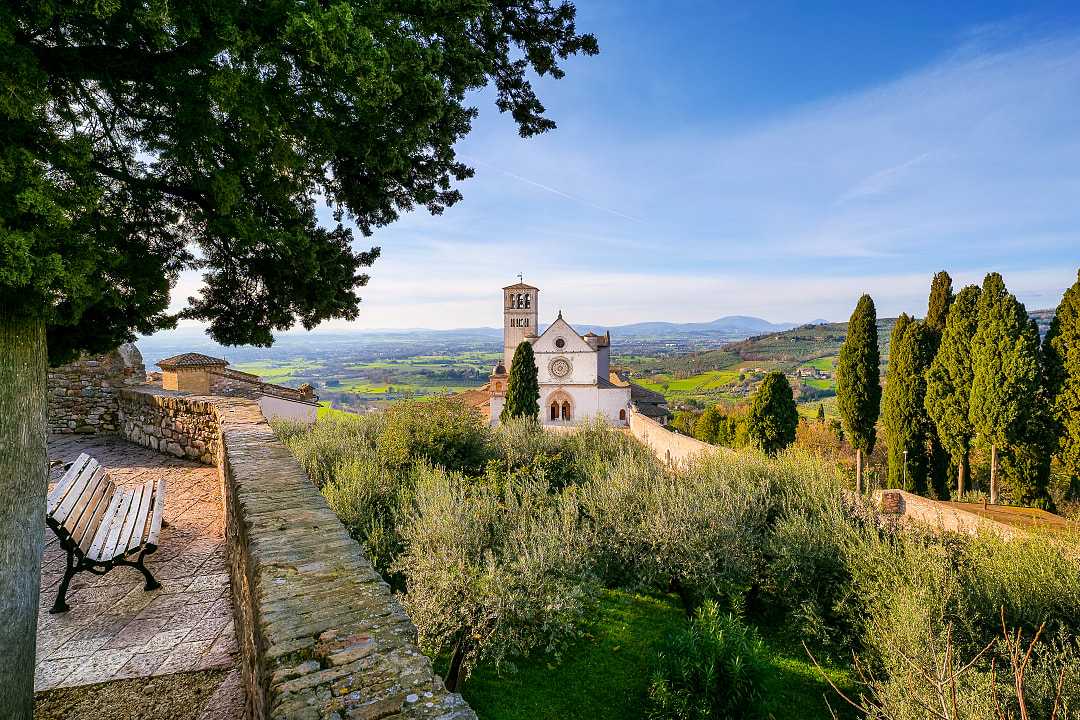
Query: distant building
204	375
576	381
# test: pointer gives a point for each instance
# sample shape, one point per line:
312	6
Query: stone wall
184	426
83	393
321	635
670	447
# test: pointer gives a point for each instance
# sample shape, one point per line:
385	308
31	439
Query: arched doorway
560	407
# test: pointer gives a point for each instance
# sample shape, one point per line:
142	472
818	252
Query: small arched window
528	301
566	410
554	411
622	414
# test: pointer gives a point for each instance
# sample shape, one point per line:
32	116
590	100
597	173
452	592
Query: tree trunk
453	673
961	475
993	475
23	481
858	472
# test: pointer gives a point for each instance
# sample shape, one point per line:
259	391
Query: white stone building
576	381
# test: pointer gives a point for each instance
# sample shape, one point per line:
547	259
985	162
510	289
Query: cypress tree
941	299
907	429
858	387
522	387
948	383
1005	371
773	418
937	312
1062	358
707	427
820	413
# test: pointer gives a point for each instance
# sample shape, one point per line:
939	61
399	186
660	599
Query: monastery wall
671	447
321	635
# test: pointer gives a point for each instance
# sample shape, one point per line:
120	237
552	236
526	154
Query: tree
1062	357
937	312
708	425
1005	371
948	383
820	413
137	141
522	387
773	418
941	300
858	388
907	429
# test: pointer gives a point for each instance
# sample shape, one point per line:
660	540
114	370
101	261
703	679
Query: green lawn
605	675
824	363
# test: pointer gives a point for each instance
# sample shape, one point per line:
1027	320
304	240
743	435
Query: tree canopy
858	388
1005	365
941	299
772	419
141	139
523	387
907	428
1062	353
948	381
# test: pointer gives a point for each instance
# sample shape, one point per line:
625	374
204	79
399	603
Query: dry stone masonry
82	394
186	427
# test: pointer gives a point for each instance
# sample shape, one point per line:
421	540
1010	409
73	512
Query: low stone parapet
671	447
181	425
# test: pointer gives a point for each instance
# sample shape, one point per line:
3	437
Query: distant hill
730	325
787	349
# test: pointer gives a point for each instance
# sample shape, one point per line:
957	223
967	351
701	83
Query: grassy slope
605	675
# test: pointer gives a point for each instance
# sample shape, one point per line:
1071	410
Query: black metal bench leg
61	596
140	565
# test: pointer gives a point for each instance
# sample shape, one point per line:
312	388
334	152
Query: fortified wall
321	636
671	447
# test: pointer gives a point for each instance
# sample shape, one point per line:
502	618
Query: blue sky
770	159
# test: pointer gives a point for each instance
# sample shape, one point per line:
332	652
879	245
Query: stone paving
115	629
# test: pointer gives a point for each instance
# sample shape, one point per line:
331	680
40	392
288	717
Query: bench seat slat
155	522
104	527
75	490
115	526
83	512
138	529
58	492
90	532
120	546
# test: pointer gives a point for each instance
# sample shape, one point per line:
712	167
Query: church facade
574	371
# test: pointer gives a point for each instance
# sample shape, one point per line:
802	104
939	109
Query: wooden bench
100	525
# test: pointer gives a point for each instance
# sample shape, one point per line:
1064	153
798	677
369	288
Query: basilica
576	380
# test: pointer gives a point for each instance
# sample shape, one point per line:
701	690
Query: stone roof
190	359
520	286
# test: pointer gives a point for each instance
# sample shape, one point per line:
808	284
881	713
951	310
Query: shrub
714	669
441	431
329	441
492	573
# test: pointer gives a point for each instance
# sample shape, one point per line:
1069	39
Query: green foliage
858	388
493	573
442	431
949	379
1062	356
773	418
1005	366
713	669
821	413
707	427
941	299
133	133
523	387
907	428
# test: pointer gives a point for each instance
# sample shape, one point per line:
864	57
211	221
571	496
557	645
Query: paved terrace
115	629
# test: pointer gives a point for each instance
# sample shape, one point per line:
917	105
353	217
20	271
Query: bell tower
519	317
